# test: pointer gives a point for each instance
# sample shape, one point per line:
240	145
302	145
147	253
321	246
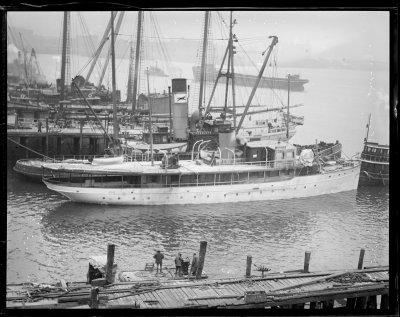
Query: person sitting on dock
158	257
195	264
178	264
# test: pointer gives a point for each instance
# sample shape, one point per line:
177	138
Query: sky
308	33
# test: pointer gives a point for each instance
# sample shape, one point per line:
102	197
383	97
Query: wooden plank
191	293
163	304
169	299
178	297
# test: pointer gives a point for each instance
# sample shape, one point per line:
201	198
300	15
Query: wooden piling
81	122
47	136
110	263
361	259
384	302
307	262
371	302
202	255
94	298
361	303
313	305
248	266
350	303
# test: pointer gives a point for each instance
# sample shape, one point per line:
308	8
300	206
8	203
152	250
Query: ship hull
295	187
249	81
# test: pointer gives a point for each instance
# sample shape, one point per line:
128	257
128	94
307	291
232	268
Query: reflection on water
50	237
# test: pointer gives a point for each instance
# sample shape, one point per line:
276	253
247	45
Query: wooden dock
361	288
356	289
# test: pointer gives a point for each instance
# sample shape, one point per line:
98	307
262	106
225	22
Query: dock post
248	266
361	259
202	256
351	303
371	302
94	298
47	136
384	302
110	263
361	303
307	262
80	135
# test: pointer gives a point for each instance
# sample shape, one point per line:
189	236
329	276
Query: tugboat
374	163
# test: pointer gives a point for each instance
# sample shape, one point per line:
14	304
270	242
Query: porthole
315	185
77	191
134	198
330	176
131	192
224	195
305	186
104	197
208	196
237	194
119	197
194	196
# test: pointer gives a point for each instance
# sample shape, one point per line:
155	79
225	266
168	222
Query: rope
25	147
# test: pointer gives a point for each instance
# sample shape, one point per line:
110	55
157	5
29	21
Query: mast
150	127
121	15
287	118
203	60
25	66
229	74
64	54
233	52
99	49
137	58
273	43
129	85
115	119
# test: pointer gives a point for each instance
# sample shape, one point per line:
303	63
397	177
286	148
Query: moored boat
374	164
269	170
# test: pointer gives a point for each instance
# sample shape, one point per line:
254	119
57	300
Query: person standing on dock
39	126
195	264
159	257
178	264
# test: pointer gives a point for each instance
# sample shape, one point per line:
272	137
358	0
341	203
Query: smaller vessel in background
374	162
156	71
296	83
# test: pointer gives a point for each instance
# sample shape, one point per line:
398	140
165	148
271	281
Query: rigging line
272	88
87	39
175	38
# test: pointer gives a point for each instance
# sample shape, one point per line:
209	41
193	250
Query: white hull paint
303	186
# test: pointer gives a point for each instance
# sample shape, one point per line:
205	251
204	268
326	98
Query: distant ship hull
296	83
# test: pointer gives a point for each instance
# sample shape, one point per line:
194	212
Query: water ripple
50	237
